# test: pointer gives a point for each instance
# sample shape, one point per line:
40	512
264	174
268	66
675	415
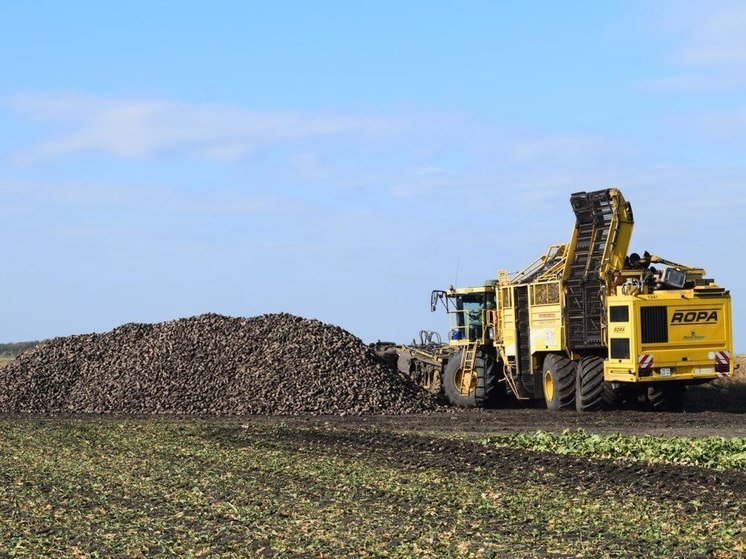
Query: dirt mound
209	364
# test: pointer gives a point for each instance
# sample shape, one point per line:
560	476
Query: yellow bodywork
690	351
588	298
697	342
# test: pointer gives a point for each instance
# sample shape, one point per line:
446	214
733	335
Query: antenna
455	281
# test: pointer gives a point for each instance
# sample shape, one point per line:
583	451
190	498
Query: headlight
674	278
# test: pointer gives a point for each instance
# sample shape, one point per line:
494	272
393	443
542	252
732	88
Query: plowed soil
369	486
443	442
506	421
381	442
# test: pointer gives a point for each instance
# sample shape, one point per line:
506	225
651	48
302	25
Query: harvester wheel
488	388
558	381
589	390
612	398
667	397
480	390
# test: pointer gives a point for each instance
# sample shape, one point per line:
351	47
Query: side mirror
436	295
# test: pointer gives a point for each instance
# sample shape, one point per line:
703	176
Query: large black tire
490	391
485	389
558	380
613	398
667	397
589	389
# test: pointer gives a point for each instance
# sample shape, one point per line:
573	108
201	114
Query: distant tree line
14	349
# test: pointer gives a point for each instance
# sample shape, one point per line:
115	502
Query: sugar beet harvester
584	325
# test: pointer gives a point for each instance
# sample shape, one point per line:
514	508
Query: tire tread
589	390
563	372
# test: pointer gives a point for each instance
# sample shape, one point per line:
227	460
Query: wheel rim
465	382
548	386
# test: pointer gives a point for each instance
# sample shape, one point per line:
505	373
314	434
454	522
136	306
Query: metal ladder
468	357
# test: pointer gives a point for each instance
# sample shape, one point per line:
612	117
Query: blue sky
339	160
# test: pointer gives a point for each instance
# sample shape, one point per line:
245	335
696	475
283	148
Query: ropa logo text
695	317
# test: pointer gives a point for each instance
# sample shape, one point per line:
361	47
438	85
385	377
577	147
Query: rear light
646	364
722	361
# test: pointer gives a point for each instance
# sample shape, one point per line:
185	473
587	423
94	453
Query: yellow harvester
586	324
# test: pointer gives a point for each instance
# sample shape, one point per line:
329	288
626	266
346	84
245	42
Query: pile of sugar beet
210	364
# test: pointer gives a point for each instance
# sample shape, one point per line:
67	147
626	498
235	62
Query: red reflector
722	367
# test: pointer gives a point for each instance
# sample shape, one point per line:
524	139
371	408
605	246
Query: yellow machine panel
670	336
545	317
506	321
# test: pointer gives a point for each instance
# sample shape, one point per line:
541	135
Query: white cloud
709	49
137	129
427	181
694	82
716	36
722	124
132	128
556	147
137	201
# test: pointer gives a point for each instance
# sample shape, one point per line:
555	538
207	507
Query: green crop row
136	488
712	452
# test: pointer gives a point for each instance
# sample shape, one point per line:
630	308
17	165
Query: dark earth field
437	484
477	423
429	485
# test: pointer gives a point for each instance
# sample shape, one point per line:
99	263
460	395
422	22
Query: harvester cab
471	312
